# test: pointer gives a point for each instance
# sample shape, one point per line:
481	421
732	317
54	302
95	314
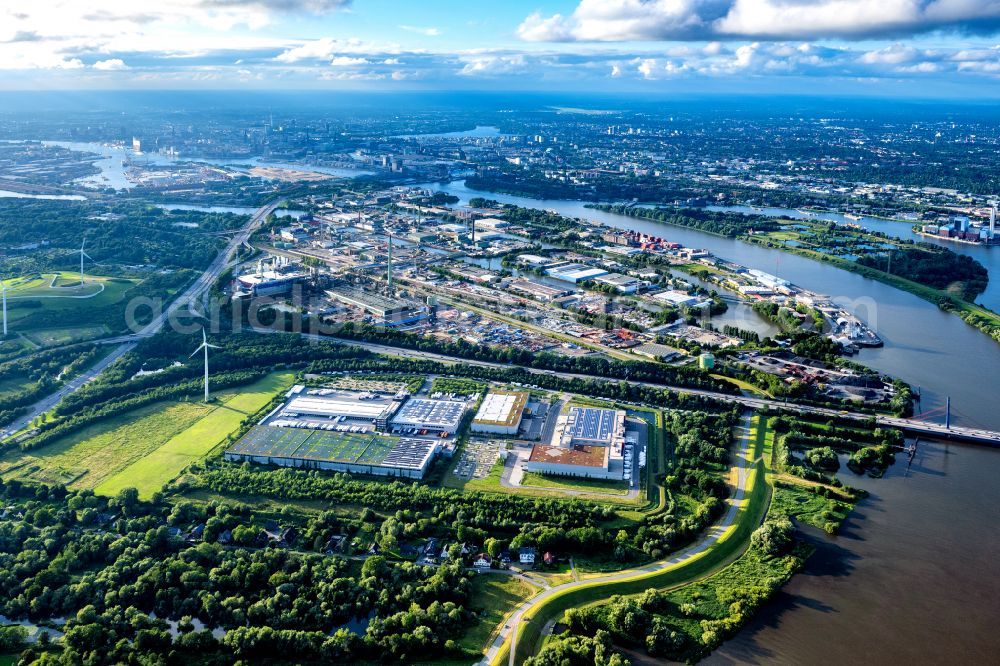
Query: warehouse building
390	311
575	272
500	413
442	417
372	454
582	461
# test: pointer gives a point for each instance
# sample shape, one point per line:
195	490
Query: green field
167	461
88	457
599	486
144	448
54	308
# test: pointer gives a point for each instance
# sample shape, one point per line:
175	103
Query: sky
914	48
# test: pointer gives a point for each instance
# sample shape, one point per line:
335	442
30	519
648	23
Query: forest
135	588
118	233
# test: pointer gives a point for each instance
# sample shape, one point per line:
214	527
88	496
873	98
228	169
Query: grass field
493	598
88	457
62	291
144	447
54	308
166	462
568	483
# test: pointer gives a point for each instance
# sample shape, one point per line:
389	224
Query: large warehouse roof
320	406
502	408
576	456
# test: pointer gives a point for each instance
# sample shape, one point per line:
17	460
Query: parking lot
531	427
477	458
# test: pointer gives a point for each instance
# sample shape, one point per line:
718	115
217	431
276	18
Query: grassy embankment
145	448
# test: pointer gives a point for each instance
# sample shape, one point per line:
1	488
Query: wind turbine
205	346
82	255
3	286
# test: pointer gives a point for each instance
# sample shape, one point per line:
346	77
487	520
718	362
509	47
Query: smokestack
993	220
389	273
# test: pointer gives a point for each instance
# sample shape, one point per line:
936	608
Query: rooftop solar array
592	424
307	444
434	414
409	454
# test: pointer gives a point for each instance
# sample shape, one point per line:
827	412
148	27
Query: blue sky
868	47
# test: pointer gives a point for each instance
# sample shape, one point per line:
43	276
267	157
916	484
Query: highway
743	466
126	343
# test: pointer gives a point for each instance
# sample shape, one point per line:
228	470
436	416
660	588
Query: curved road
743	467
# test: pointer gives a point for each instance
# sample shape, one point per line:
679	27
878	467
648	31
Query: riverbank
977	316
985	320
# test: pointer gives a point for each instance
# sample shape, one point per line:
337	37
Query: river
111	164
913	577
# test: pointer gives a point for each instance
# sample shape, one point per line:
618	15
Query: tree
774	537
824	458
13	639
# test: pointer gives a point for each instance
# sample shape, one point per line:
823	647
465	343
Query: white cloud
890	55
426	32
347	61
492	65
110	65
656	20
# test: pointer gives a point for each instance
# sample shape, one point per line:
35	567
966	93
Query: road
126	343
743	466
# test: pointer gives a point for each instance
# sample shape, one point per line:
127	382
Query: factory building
500	413
533	260
268	283
681	299
590	426
542	292
623	284
344	408
390	311
587	441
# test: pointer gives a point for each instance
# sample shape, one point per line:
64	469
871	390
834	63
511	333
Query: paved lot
477	459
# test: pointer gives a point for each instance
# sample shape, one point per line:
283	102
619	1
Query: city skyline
904	48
